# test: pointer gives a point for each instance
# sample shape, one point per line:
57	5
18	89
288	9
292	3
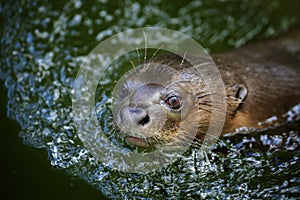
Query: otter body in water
261	80
269	75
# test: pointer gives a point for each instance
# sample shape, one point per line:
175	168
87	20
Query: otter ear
239	92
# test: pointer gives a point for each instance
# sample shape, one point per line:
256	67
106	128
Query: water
41	47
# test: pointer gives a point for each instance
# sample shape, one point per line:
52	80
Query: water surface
42	43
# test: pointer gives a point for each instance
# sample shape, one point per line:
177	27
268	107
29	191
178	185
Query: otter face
148	112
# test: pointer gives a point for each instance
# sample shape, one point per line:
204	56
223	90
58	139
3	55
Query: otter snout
140	116
135	116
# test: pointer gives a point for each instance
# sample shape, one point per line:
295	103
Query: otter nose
140	115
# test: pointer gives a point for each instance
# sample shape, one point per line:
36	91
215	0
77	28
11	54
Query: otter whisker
138	55
206	101
183	142
157	140
200	96
181	137
169	63
132	64
146	46
212	101
203	95
209	111
183	59
207	104
196	141
154	54
203	64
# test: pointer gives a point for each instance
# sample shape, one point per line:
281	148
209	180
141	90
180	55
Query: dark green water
41	45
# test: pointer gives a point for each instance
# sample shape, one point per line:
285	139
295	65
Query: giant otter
261	80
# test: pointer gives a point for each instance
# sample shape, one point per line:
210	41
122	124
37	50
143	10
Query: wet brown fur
270	70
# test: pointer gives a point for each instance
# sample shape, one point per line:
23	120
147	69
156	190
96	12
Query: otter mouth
137	141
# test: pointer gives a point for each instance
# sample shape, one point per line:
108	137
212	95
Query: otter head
150	105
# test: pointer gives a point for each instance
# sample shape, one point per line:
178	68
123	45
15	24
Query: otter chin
166	101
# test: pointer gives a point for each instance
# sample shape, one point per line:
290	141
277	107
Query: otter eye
123	91
173	102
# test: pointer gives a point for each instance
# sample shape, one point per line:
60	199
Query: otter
261	80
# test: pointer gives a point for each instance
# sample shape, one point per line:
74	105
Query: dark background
26	173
